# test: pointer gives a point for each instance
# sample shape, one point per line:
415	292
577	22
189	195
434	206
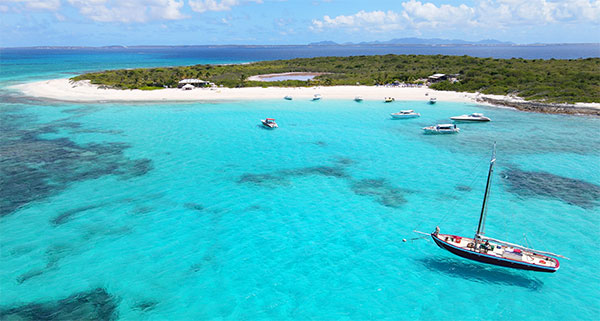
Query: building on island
441	77
437	77
195	83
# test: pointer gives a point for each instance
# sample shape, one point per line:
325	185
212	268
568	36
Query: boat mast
481	226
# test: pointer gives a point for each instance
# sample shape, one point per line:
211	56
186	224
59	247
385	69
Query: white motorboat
388	99
405	114
317	97
472	117
358	98
432	100
442	129
287	97
269	123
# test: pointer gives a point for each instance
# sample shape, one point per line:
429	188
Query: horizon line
299	45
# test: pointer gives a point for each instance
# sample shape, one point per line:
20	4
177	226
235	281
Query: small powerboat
269	123
405	114
287	97
432	100
472	117
442	129
358	98
317	97
388	99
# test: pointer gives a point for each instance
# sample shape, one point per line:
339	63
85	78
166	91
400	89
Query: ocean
191	211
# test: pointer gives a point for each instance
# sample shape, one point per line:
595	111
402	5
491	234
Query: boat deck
500	251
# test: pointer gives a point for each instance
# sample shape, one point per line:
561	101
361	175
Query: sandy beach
82	91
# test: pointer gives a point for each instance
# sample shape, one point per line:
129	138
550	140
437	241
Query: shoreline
83	91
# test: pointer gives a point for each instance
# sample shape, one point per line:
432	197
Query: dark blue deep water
23	61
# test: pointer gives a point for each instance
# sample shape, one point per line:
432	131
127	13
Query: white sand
83	91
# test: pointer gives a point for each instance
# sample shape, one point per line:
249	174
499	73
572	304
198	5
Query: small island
569	86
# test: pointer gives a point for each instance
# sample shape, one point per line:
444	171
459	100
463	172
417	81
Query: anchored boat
442	129
472	117
488	250
405	114
269	123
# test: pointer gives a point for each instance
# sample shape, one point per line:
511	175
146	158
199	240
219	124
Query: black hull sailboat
493	251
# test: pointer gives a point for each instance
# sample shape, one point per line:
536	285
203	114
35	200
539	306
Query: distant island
416	41
546	81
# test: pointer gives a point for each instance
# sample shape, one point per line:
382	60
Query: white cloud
129	10
421	15
216	5
51	5
370	21
484	14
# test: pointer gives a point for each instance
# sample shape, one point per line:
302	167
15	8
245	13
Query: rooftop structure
437	77
193	82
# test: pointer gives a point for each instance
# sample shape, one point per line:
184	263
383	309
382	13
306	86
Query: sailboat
488	250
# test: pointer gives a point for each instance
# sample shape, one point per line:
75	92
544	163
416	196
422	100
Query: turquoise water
192	211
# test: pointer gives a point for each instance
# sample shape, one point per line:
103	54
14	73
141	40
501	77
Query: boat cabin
446	126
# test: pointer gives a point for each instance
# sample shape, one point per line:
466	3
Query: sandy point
83	91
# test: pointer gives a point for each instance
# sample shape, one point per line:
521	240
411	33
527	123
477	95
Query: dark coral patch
145	305
96	304
543	184
380	190
33	168
67	215
463	188
262	179
332	171
28	275
320	143
194	206
281	177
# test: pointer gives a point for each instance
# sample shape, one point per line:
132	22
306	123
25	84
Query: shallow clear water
192	211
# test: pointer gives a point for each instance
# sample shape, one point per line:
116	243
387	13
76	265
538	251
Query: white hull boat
477	117
432	100
441	129
405	114
269	123
358	98
317	97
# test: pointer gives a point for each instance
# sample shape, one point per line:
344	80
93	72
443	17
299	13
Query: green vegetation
573	80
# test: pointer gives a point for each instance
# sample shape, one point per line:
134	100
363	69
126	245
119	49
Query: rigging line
475	169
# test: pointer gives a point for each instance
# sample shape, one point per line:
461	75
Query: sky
281	22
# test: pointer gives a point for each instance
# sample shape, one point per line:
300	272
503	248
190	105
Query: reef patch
145	305
542	184
381	191
194	206
33	168
96	304
463	188
66	216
